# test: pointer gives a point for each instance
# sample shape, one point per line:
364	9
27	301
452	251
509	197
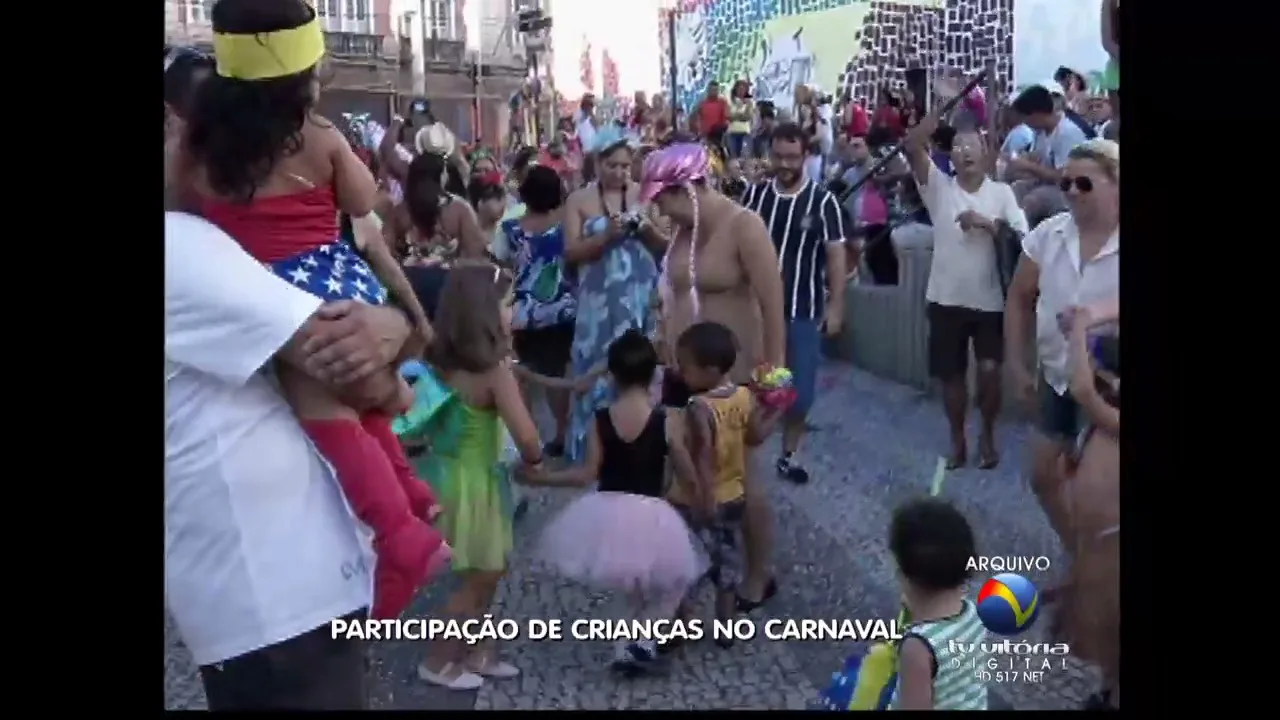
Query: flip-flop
988	461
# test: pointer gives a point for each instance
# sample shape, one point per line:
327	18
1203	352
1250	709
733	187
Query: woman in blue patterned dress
542	319
615	250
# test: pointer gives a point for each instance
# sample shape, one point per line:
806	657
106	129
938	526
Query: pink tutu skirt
619	541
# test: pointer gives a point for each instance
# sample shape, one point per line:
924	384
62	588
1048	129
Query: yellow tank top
739	107
730	416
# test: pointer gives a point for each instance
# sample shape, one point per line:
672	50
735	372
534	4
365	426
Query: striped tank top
955	682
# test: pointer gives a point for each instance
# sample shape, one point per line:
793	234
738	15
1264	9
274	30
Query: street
877	445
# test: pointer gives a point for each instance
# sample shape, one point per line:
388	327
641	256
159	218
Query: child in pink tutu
625	536
722	420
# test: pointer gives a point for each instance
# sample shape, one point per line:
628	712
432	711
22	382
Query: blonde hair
1104	152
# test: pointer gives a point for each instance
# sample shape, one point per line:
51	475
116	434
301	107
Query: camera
631	223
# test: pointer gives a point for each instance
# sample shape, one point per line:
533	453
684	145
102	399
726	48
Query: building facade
844	47
368	66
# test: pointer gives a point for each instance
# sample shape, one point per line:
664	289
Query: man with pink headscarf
721	267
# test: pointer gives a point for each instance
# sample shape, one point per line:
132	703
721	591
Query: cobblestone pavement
877	445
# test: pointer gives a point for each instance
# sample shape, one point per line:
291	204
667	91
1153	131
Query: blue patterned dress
543	284
615	294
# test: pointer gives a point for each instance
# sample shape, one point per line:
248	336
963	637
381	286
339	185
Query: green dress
464	465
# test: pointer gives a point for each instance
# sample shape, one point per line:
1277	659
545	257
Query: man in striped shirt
807	227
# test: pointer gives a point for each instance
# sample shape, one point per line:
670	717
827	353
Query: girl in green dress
468	354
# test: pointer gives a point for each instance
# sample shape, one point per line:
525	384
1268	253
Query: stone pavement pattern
877	445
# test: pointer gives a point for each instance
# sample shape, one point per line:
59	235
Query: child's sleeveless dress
625	536
471	478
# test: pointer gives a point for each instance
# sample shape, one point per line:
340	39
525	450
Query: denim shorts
804	355
1060	415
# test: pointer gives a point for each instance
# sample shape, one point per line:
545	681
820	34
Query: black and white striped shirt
800	224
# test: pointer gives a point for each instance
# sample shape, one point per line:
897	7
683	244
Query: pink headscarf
677	166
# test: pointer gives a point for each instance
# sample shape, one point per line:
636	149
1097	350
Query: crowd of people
641	280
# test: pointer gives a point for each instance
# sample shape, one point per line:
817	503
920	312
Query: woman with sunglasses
1070	259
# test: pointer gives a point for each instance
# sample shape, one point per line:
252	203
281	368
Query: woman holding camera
614	248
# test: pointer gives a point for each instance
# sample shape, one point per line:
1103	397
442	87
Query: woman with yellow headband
263	166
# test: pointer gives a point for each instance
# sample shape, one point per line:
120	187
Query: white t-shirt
1064	282
260	545
964	271
1052	148
586	132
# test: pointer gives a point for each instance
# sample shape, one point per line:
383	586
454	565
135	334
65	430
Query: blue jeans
737	144
804	354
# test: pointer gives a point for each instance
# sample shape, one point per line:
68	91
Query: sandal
770	589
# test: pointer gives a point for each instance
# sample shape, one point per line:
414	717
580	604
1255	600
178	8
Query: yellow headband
262	56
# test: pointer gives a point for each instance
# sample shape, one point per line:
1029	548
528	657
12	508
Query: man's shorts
545	350
1061	418
804	356
311	671
950	330
722	540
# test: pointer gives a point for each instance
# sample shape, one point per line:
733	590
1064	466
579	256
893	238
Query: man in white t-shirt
261	550
965	297
1070	260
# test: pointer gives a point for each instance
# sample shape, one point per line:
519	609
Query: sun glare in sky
628	30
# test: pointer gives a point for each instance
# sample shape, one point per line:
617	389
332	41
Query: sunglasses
1082	184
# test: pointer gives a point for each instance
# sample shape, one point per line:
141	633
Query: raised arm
389	151
1110	42
916	147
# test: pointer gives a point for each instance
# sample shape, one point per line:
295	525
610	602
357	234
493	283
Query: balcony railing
353	45
452	51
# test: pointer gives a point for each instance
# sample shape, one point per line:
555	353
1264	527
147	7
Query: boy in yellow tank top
722	420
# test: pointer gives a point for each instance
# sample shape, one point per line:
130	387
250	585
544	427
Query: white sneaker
464	680
496	669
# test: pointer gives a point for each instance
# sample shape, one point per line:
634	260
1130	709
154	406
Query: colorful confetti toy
774	387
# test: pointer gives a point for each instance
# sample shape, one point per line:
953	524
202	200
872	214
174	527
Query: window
349	16
440	19
198	10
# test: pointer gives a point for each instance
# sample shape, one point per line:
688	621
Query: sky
1049	33
628	29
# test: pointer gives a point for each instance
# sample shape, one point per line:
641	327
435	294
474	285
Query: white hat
436	138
